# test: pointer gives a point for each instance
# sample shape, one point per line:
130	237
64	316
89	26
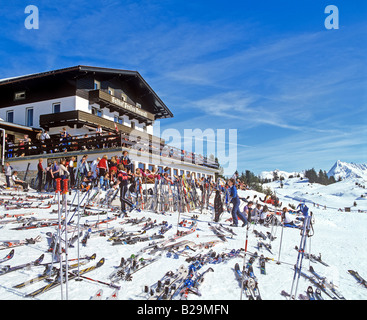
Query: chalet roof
162	111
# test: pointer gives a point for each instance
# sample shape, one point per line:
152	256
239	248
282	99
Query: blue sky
295	91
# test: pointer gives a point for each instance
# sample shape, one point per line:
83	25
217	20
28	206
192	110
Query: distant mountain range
340	170
270	174
345	170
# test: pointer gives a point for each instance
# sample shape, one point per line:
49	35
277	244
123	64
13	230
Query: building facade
80	100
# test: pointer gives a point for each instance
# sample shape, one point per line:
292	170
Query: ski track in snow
340	237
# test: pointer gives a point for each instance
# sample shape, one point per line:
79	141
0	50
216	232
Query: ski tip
100	262
40	259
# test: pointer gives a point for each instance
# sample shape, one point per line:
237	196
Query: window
175	172
182	172
10	116
97	112
132	125
29	117
56	108
151	167
141	165
118	120
19	95
97	85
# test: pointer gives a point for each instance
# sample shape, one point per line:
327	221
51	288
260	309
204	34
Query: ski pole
244	260
65	192
78	246
298	266
280	246
111	285
58	190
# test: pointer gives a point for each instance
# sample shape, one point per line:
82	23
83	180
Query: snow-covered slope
339	236
280	174
345	193
345	170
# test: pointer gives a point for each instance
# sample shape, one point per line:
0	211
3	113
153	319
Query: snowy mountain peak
344	170
279	174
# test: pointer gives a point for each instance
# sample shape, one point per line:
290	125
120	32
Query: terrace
110	141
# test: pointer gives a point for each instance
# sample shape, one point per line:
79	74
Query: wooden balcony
122	107
81	118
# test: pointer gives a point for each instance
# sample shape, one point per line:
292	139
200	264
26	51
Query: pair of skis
57	281
250	285
99	295
8	269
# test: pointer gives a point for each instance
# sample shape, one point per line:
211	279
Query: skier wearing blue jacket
236	204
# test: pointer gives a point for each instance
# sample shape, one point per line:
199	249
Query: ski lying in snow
7	269
35	226
171	288
310	293
247	282
113	295
318	294
6	244
157	288
318	283
143	263
46	274
324	283
8	256
262	264
57	282
356	275
98	295
92	257
192	286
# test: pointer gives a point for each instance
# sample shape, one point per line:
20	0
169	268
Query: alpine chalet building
102	110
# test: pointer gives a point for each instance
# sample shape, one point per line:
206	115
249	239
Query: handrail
95	141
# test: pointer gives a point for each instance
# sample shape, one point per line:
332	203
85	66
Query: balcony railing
109	101
56	145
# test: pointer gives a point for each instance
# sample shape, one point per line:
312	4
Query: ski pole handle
65	181
58	185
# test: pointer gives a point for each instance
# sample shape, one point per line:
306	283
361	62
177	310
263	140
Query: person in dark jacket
218	205
236	213
40	171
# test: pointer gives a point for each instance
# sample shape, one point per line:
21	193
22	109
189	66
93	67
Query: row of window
29	114
56	108
98	112
170	171
111	91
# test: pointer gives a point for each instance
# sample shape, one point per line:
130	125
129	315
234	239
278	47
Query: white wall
41	107
67	104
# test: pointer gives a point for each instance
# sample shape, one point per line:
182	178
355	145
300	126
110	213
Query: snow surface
339	236
281	174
